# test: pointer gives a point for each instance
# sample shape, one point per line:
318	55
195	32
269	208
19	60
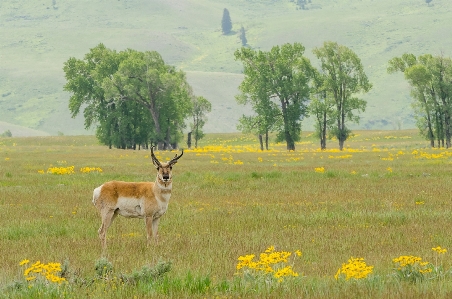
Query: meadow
371	221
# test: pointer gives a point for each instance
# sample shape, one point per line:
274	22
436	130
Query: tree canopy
226	23
132	96
201	107
431	80
276	86
343	78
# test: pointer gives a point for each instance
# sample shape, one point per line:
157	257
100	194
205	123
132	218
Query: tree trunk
289	140
323	133
261	142
196	134
189	140
447	130
167	138
341	128
266	140
155	117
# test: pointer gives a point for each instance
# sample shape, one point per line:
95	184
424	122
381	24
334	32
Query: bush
7	133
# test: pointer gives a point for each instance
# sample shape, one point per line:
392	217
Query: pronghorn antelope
148	200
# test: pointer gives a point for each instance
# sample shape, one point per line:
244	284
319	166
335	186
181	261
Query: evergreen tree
226	24
243	36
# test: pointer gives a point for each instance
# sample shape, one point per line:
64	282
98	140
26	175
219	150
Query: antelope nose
165	177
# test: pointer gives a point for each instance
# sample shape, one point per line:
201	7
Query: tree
278	78
226	24
134	97
243	36
7	133
261	124
201	107
321	107
431	81
344	78
143	77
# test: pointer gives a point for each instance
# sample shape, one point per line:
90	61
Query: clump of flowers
49	271
271	265
355	268
90	169
411	268
439	250
319	169
61	170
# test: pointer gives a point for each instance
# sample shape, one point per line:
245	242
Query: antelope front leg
151	229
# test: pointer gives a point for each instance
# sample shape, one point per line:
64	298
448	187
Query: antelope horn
154	159
174	160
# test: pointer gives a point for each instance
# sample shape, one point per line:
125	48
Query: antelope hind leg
107	219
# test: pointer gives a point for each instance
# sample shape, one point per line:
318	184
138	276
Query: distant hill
39	36
19	131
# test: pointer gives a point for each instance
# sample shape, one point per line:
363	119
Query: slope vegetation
39	36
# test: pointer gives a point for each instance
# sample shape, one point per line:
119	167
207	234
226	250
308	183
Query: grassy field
39	36
383	197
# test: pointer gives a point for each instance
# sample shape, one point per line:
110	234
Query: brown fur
148	200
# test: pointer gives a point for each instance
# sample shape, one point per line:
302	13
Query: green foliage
7	133
200	107
431	81
134	96
276	86
343	78
321	107
146	274
103	267
226	23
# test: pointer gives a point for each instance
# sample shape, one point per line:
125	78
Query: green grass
221	209
38	38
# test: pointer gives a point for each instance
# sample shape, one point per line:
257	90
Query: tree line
133	98
283	88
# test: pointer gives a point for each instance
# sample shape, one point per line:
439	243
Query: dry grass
376	200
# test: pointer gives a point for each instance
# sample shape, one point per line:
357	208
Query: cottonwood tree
200	107
344	78
431	81
226	23
279	76
268	117
321	108
133	96
143	77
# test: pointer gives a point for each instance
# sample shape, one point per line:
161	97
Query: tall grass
383	197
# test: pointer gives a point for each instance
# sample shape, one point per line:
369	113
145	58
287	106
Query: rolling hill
37	37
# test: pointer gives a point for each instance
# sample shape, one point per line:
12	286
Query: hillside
39	36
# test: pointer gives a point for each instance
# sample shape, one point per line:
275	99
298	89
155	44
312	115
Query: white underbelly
130	207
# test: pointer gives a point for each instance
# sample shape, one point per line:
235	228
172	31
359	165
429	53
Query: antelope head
164	169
